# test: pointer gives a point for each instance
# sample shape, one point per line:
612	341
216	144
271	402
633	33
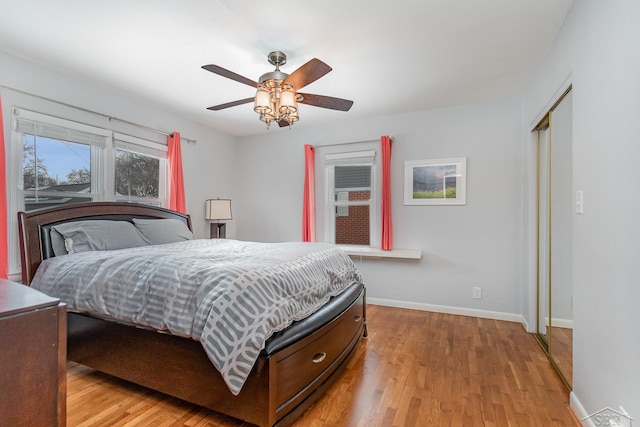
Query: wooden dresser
33	349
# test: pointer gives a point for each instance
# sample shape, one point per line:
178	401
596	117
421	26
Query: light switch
579	202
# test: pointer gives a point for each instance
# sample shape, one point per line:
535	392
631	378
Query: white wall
598	48
464	246
208	165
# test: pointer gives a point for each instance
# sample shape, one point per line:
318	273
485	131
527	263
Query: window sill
365	252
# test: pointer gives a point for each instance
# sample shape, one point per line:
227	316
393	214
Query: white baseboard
560	323
589	420
563	323
579	410
485	314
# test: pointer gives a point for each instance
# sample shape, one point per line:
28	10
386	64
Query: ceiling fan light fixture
262	102
276	99
293	117
288	103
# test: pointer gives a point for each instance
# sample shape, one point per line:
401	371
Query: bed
292	370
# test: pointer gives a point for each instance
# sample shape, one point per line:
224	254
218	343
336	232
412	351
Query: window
48	182
140	171
351	198
60	163
64	162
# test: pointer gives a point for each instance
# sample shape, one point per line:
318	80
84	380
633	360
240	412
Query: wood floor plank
415	369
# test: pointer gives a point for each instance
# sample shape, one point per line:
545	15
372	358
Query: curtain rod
110	118
347	143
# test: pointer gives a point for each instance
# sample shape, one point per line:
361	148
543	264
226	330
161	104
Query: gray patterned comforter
229	295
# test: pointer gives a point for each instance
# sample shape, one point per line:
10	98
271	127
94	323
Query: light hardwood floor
562	351
415	369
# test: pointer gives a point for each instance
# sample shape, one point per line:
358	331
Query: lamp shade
262	102
288	102
293	116
217	209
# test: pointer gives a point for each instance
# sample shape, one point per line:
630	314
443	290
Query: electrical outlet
477	293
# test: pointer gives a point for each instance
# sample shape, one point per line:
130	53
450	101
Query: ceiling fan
277	95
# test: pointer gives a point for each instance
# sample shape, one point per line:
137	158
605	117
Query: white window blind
28	122
351	158
140	146
353	176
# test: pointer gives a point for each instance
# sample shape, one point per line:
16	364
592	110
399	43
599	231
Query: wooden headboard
35	226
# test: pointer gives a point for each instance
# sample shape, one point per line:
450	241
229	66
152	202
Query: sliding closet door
555	211
544	224
562	213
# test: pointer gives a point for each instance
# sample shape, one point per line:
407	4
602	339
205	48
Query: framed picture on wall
435	182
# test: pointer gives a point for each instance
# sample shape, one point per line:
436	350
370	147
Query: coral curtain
309	201
387	231
4	244
176	181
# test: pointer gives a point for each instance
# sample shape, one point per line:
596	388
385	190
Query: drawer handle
319	357
357	318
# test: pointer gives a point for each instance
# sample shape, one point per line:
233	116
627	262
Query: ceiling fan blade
230	104
308	73
230	75
326	102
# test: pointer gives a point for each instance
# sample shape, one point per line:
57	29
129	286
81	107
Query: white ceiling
389	57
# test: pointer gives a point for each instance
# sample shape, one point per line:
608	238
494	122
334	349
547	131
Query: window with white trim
65	162
351	198
140	171
61	160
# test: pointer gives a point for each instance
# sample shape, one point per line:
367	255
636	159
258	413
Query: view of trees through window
57	172
48	163
136	174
